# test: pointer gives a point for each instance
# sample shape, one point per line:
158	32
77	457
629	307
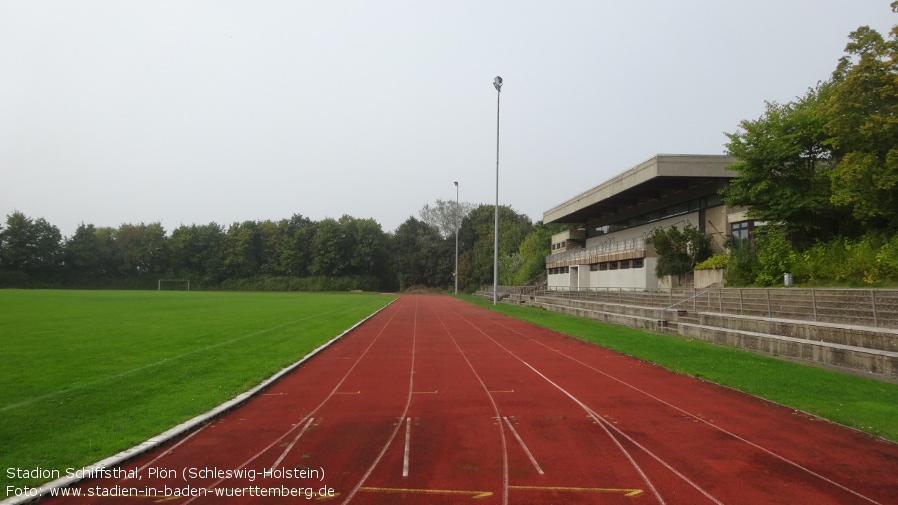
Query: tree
477	243
143	249
784	163
30	246
197	252
421	256
329	249
679	250
368	253
269	236
242	258
83	254
862	119
295	249
445	215
533	251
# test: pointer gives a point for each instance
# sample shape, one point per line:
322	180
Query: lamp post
455	214
497	83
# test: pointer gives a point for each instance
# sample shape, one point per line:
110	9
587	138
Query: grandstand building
607	245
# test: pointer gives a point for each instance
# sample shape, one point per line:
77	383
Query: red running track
437	401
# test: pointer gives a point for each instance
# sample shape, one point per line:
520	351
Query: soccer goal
173	284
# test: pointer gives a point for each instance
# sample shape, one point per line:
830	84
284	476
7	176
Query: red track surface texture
437	401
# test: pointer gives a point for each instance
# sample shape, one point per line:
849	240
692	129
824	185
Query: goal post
175	282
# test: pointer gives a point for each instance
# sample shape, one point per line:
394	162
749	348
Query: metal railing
610	247
861	307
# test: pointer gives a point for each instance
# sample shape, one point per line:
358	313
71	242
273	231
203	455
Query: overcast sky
184	112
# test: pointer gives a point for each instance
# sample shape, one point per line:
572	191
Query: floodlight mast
497	83
455	215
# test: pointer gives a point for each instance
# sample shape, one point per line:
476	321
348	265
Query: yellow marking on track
626	492
347	392
508	391
476	495
272	394
425	392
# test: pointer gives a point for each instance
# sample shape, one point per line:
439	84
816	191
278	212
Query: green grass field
865	404
87	374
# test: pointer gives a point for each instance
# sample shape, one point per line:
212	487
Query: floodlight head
456	183
497	83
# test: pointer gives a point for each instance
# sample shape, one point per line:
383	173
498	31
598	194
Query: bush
775	255
870	259
742	267
715	262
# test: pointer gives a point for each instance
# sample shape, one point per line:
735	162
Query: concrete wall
705	278
583	277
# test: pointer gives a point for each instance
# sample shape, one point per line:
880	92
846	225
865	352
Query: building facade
608	245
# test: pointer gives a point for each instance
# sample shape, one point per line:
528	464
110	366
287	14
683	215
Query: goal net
173	285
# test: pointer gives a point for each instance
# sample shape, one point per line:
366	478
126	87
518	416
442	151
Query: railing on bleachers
861	307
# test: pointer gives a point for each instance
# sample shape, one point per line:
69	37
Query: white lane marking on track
606	425
316	409
408	402
635	465
495	409
523	446
702	420
289	447
168	451
408	436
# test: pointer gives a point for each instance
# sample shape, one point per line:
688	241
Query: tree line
822	172
290	254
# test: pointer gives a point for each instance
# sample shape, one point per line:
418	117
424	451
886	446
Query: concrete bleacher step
867	351
885	339
638	317
882	363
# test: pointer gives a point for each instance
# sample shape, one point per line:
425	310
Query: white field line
191	424
408	436
130	371
408	402
523	445
697	417
495	409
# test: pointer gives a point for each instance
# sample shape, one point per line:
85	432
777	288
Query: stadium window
593	267
625	264
638	263
612	265
739	231
603	266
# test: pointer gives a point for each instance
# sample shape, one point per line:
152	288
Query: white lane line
702	420
290	446
636	466
523	446
167	452
495	409
316	409
408	402
408	433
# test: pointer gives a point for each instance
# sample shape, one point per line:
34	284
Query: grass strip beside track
865	404
87	374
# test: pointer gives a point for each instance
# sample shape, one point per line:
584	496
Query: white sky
183	112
